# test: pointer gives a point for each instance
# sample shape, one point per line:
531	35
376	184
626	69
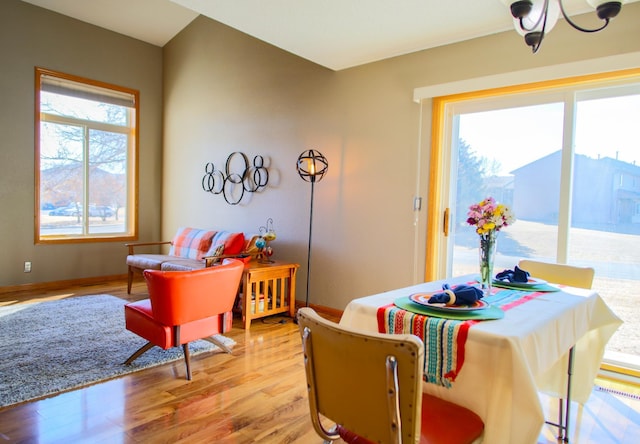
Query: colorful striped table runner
444	339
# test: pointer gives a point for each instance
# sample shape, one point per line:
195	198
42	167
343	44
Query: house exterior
606	192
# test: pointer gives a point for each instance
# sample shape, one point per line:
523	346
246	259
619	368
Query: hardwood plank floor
256	394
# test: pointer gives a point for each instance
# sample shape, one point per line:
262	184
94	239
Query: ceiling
337	34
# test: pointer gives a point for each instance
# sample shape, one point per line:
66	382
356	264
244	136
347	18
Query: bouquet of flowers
488	216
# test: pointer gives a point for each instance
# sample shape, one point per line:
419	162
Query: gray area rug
50	347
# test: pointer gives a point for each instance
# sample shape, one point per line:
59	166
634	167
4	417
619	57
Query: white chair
581	277
370	386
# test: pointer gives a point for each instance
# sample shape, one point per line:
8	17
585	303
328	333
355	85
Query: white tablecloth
508	361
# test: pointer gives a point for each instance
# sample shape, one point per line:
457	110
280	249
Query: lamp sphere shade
312	166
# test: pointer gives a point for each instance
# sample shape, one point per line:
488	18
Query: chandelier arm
541	19
543	32
537	46
578	27
524	28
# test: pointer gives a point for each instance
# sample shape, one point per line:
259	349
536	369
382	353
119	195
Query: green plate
515	286
490	312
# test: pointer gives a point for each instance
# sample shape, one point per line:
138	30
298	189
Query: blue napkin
515	275
464	295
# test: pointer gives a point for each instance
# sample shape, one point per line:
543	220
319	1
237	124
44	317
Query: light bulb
534	22
595	3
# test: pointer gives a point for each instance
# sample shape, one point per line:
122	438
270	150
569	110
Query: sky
607	127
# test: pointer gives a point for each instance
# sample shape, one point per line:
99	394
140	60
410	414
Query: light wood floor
257	394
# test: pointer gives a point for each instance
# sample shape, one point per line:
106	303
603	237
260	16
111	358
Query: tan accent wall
226	92
32	36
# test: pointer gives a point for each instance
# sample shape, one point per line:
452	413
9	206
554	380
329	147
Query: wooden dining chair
581	277
369	386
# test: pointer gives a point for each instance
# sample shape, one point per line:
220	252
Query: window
85	159
564	156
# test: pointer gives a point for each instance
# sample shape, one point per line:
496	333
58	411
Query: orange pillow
233	242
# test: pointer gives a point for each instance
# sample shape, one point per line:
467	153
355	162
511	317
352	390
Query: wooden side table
268	289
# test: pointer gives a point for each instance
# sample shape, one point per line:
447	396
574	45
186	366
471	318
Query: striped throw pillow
191	243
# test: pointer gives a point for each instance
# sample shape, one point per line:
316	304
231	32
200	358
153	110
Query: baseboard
620	375
57	285
328	312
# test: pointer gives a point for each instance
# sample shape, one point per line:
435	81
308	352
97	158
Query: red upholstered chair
184	306
370	386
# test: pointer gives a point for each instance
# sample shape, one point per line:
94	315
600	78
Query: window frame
438	217
130	231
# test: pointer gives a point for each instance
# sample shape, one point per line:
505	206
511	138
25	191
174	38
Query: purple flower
489	215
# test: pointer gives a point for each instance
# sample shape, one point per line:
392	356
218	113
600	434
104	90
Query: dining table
499	366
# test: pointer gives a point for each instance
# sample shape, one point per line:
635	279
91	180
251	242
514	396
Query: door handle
445	222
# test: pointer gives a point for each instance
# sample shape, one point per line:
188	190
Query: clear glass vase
487	251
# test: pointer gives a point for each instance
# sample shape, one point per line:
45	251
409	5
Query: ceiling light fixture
533	19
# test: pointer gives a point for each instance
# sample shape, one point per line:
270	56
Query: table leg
564	405
567	417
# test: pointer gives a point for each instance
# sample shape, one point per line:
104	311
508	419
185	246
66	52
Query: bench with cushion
190	249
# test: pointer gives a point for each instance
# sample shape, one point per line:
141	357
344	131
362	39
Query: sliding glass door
492	154
605	222
566	159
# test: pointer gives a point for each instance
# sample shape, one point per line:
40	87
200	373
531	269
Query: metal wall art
236	178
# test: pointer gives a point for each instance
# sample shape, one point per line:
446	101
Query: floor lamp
311	166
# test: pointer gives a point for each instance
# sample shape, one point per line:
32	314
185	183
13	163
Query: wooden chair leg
185	348
149	345
218	343
129	279
139	352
